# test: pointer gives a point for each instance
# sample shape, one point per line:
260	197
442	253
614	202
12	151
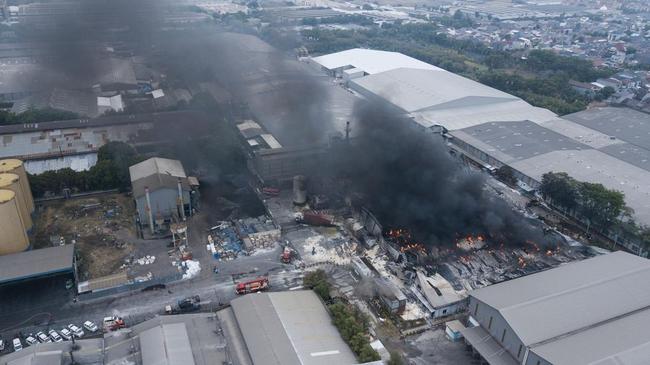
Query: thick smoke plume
410	181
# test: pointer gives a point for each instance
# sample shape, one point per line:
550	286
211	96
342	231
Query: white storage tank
12	182
299	190
14	166
13	237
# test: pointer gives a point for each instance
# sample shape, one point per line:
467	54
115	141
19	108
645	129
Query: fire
471	243
522	262
403	238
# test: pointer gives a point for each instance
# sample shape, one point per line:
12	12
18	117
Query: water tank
299	190
14	166
13	237
12	182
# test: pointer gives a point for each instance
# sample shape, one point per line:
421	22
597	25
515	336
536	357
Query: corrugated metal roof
157	172
36	263
167	344
371	61
288	328
417	89
487	346
581	303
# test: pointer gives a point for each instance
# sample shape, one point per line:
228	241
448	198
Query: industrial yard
212	198
102	227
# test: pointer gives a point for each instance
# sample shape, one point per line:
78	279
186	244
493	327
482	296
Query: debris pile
190	268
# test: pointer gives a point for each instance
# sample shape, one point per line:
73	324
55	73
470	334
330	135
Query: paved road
44	305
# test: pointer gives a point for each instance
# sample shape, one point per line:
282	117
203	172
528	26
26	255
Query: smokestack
299	190
181	206
148	208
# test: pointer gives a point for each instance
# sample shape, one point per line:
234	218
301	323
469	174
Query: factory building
162	192
595	311
492	128
189	339
438	296
284	328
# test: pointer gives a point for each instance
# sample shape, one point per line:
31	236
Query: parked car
78	332
90	326
17	344
31	340
55	336
42	337
66	334
2	345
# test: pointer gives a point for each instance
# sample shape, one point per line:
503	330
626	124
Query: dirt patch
102	228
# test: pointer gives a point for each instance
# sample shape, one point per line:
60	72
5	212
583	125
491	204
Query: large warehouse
284	328
602	145
595	311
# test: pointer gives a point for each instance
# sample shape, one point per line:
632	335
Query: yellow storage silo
12	182
13	237
14	166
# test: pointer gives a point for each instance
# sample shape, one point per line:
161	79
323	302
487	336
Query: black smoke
410	181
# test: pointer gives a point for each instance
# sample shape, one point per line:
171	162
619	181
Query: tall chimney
181	206
148	208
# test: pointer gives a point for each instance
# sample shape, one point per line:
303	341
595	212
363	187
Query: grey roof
521	140
29	264
487	346
287	328
437	290
575	303
156	173
419	90
185	339
625	124
167	344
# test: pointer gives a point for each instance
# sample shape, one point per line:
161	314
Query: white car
17	344
78	332
55	336
66	334
42	337
31	340
91	326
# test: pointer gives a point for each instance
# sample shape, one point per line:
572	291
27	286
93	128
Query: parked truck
111	323
186	305
252	286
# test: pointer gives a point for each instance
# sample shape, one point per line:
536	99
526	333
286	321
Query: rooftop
584	306
437	290
157	172
189	339
41	262
371	61
287	328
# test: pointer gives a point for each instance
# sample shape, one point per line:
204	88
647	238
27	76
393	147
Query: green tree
561	189
600	205
395	359
506	174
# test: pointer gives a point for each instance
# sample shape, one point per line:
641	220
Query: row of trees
35	116
110	172
594	202
349	320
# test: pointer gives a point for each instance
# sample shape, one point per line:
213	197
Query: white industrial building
602	145
595	311
161	190
440	298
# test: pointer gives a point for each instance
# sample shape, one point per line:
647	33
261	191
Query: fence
132	286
